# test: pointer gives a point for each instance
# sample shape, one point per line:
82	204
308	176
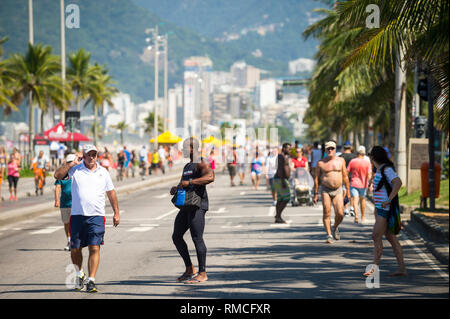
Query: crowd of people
341	179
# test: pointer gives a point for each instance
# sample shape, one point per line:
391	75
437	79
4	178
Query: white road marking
140	229
162	196
220	211
47	230
428	260
243	193
271	211
167	214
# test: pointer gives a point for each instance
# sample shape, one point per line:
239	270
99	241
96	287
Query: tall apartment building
245	75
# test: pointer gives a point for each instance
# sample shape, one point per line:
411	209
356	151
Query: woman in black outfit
196	175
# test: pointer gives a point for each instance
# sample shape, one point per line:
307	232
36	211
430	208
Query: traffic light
422	89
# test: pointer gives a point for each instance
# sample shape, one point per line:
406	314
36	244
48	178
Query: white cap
89	147
70	158
361	150
330	144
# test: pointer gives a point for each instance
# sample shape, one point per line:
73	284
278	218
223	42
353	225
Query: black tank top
191	170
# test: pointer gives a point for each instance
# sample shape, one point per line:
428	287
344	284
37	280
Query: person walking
3	160
348	155
271	166
212	162
196	175
331	173
63	200
281	182
385	180
121	159
42	165
240	164
256	170
90	182
300	160
360	171
316	156
231	164
143	161
13	176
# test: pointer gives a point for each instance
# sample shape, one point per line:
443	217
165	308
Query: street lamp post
30	95
155	119
63	57
166	50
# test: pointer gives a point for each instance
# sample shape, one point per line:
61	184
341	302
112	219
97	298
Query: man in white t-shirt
271	166
90	182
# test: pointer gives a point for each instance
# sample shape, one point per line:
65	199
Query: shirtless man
331	172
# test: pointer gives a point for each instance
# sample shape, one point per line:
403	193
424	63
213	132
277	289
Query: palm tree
35	76
121	126
5	84
149	122
100	91
80	75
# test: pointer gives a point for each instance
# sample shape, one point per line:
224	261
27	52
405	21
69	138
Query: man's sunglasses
330	149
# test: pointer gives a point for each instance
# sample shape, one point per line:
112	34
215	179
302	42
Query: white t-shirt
240	156
162	154
271	164
88	190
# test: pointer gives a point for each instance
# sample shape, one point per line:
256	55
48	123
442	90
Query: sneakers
352	212
67	248
336	234
280	221
91	287
346	213
79	285
329	239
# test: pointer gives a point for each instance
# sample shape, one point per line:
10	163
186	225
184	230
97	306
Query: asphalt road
248	255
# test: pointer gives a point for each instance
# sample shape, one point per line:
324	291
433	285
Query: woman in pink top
13	176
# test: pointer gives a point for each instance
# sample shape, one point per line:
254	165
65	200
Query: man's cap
330	144
89	147
347	144
361	150
70	158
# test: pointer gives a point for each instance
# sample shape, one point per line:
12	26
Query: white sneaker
67	248
346	213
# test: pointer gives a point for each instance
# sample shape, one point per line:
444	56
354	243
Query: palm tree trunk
30	126
400	118
95	125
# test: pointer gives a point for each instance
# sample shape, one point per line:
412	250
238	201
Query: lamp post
30	95
63	57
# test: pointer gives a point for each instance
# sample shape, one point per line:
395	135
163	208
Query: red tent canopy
58	133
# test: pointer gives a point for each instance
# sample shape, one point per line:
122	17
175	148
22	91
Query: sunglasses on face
330	149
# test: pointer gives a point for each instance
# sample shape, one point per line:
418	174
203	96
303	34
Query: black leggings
195	221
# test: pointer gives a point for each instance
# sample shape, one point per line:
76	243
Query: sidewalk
45	204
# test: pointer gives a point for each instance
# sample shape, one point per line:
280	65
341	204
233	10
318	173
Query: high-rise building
175	102
245	75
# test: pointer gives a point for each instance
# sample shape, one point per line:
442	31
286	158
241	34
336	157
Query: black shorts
12	180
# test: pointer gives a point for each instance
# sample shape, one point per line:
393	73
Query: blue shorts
361	192
382	212
86	230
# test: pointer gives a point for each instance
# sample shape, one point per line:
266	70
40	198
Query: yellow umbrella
212	140
166	138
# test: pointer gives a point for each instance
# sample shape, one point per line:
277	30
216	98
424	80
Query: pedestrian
3	160
281	182
143	161
90	182
300	160
133	160
155	161
63	200
331	173
348	155
42	165
121	159
106	160
231	164
212	162
196	175
13	175
162	159
386	185
256	170
316	156
240	164
360	171
271	166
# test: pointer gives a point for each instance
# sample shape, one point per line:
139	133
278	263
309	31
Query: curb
21	214
433	236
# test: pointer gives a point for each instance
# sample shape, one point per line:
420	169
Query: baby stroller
302	185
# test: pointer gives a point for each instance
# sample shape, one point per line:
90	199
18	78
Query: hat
330	144
361	150
347	144
70	158
87	148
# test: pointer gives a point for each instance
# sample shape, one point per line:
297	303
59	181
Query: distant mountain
267	28
114	32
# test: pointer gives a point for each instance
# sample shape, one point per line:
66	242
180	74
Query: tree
121	126
6	84
36	76
149	122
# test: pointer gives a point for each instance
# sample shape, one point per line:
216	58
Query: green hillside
114	32
214	18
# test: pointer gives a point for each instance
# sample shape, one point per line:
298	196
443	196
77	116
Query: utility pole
155	122
431	179
30	95
63	58
166	51
400	114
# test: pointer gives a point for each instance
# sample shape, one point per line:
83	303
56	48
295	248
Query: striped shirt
382	196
